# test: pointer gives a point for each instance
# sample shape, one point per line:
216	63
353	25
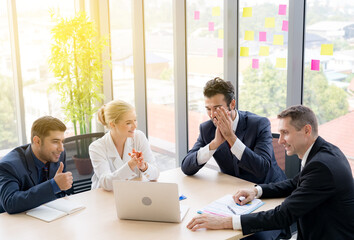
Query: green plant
78	67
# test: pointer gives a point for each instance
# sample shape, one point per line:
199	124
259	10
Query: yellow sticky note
249	35
247	12
264	51
280	63
326	49
270	22
244	52
221	33
215	11
278	40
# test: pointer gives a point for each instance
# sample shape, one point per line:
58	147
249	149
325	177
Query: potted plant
78	68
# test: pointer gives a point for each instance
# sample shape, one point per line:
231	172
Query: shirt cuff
238	148
55	186
204	154
126	173
236	222
148	172
259	191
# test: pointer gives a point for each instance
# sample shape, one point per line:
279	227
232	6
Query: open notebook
226	206
55	209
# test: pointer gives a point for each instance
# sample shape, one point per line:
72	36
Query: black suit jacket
257	164
19	188
320	198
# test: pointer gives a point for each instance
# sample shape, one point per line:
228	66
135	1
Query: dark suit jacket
257	164
19	178
320	198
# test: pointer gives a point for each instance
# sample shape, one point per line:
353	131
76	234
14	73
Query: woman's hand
137	160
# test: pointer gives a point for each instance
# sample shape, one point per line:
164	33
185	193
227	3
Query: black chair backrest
289	164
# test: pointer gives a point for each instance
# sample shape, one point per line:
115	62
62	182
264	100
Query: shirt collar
235	122
304	159
38	163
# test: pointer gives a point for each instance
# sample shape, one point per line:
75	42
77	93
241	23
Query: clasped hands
137	160
224	132
210	221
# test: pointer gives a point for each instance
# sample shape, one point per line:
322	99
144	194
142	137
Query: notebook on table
148	201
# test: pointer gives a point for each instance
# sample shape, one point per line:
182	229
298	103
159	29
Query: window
262	65
205	54
8	119
329	70
34	25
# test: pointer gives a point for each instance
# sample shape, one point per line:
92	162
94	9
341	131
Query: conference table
99	219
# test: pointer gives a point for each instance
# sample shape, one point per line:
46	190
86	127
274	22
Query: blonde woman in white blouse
112	155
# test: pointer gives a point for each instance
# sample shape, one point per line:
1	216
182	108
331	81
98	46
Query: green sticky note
278	40
270	22
280	63
249	35
244	52
327	49
264	51
215	11
247	12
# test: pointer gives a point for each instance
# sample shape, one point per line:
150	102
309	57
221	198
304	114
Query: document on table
222	206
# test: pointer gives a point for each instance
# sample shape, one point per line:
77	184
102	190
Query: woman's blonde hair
113	112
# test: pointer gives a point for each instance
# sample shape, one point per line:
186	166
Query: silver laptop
148	201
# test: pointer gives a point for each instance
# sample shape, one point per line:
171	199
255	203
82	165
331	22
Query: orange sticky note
264	51
270	22
215	12
221	33
249	35
278	39
244	52
247	12
327	49
280	63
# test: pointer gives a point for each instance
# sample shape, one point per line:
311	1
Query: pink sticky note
211	26
196	15
220	52
285	26
255	63
262	36
282	9
315	65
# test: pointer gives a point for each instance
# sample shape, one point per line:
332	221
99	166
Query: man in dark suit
320	198
34	174
239	141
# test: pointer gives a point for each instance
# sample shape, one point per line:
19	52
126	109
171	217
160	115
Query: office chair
289	164
78	161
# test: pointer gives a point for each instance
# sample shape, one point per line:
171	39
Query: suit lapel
316	147
241	126
31	167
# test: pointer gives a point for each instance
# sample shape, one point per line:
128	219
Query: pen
231	209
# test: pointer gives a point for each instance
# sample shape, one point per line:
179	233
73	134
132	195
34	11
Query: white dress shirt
204	153
236	219
109	166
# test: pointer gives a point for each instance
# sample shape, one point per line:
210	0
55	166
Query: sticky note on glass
282	9
249	35
244	52
270	22
247	12
196	15
285	26
215	12
211	26
264	51
220	52
280	63
221	33
255	63
315	65
278	39
326	49
262	36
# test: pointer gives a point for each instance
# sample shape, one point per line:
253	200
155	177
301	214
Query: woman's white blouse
109	166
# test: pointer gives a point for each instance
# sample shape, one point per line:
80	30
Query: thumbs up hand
63	180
